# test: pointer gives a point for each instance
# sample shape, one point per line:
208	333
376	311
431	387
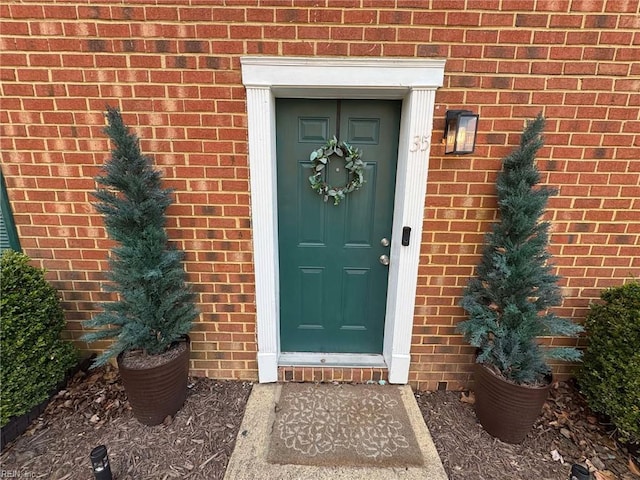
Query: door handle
384	242
384	259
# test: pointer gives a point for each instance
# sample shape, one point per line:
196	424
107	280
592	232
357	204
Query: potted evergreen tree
509	301
154	308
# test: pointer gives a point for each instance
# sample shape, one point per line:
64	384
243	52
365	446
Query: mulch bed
93	410
567	432
198	442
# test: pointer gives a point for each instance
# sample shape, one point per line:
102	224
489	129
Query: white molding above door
412	80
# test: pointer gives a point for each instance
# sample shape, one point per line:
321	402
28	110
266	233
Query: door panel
360	212
310	301
356	281
311	224
332	286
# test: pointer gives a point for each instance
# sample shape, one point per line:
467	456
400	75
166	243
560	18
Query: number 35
420	143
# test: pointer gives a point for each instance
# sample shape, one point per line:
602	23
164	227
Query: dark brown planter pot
154	393
505	410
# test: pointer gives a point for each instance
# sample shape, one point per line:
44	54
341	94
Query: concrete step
252	458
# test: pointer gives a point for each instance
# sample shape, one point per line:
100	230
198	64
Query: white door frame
414	81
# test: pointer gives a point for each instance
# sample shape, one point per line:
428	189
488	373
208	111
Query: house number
420	143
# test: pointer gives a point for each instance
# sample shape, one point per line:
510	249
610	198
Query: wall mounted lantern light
460	132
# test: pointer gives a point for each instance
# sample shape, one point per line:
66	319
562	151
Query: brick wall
174	70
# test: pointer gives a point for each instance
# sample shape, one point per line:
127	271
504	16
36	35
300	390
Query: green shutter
8	232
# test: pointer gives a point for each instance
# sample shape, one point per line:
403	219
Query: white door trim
412	80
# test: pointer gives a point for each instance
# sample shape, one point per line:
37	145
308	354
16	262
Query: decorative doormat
342	425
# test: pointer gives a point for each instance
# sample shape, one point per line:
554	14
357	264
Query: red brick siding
174	70
330	374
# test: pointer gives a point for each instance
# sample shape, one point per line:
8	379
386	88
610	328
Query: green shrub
34	358
610	374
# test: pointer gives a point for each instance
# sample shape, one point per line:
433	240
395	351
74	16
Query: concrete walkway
249	458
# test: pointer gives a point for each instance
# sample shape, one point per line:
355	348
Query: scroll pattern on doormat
343	425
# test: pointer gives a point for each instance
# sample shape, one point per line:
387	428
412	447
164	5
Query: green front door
333	287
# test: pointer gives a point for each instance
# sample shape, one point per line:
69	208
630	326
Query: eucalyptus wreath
352	162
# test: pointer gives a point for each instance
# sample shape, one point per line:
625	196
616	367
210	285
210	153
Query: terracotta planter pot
505	410
159	391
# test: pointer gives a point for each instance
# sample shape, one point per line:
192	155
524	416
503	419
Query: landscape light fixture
460	132
100	463
579	472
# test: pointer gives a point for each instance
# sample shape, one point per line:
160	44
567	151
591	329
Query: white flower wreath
353	163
